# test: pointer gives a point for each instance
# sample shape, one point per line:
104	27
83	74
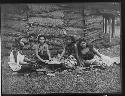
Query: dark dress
88	55
43	54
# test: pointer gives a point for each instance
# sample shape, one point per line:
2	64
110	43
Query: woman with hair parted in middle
88	55
44	57
42	50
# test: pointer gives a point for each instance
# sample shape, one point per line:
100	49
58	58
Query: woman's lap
25	68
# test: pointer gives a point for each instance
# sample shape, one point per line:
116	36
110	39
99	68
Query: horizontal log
53	15
5	38
92	29
94	23
90	22
16	17
89	11
43	7
46	30
73	29
46	21
92	36
98	25
73	16
92	33
92	16
56	14
19	26
75	23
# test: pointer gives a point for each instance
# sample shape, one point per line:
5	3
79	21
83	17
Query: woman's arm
77	56
96	52
63	52
21	59
36	51
48	52
26	59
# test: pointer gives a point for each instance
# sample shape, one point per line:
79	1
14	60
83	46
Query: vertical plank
83	14
113	27
105	25
110	28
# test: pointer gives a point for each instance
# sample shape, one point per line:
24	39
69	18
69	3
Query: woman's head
41	39
71	40
32	37
82	43
23	40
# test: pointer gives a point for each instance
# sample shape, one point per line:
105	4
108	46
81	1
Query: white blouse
15	66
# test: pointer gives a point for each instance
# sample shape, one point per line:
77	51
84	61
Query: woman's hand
46	61
101	57
50	59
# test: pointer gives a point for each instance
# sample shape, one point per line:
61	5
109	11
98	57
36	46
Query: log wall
49	19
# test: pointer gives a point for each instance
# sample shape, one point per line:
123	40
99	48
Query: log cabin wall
94	30
57	20
48	19
44	18
94	27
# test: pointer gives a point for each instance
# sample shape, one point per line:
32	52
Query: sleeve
35	46
20	58
47	47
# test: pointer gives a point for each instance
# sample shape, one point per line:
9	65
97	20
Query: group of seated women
79	53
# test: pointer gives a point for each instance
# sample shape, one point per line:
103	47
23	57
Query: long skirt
105	61
26	68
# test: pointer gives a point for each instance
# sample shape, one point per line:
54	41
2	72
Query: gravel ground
94	81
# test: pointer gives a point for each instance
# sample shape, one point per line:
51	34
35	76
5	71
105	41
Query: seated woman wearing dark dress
71	49
44	57
87	54
42	51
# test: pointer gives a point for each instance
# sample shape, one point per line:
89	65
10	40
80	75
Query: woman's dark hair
79	44
32	34
80	47
40	36
72	39
34	37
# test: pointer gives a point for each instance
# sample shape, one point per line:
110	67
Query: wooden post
113	27
105	25
83	14
110	31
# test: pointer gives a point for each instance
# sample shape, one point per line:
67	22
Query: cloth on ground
105	60
70	61
109	61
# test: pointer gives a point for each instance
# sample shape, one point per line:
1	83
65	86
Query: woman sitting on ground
20	63
44	57
87	54
42	51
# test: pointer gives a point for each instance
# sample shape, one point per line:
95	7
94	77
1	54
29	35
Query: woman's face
83	44
31	38
24	40
41	39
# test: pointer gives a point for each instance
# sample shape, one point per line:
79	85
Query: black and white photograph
51	48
